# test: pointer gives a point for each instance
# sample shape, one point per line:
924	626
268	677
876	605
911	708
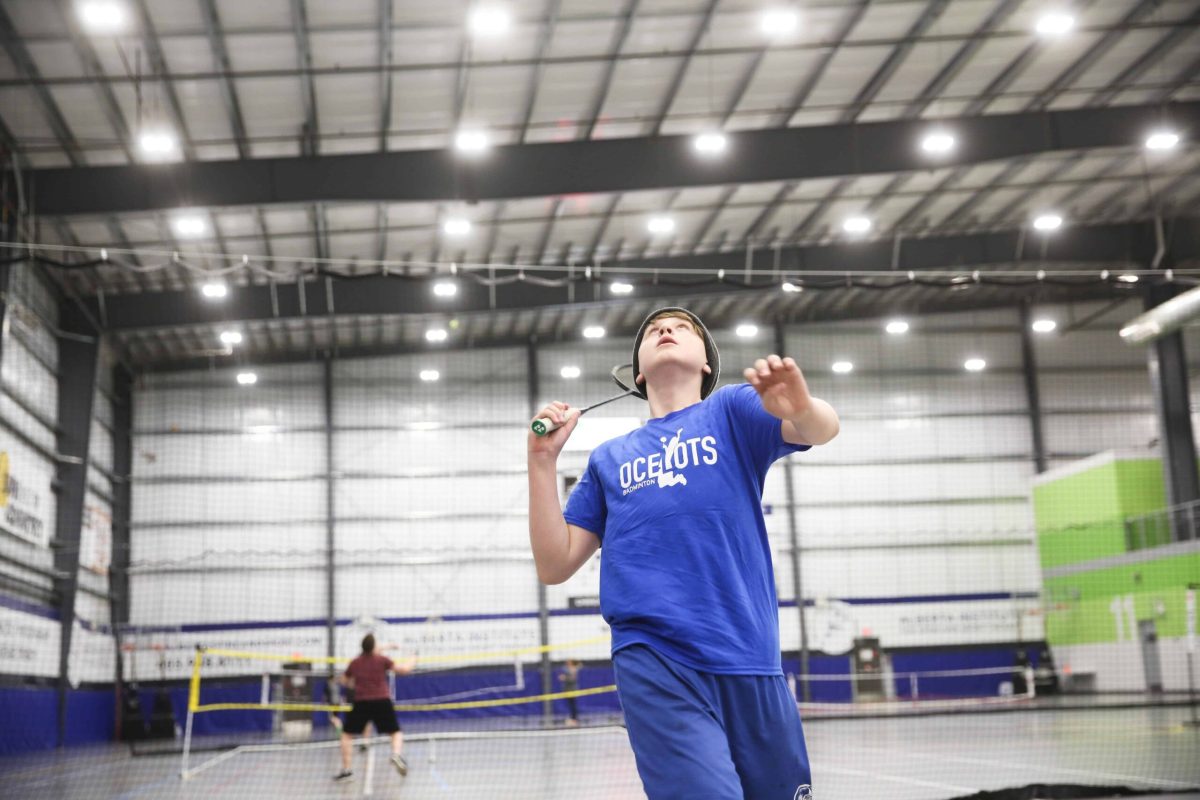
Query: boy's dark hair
368	643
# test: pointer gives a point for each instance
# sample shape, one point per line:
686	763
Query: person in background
569	675
366	675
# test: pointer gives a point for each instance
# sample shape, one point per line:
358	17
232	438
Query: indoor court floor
921	758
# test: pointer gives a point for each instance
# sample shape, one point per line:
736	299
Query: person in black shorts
569	675
366	675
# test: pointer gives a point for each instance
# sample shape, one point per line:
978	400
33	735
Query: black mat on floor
1063	791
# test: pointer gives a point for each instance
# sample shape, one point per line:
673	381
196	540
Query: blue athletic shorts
720	737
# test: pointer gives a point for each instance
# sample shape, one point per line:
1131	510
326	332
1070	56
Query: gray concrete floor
921	758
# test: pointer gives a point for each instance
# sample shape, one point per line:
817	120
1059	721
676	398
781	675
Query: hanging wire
492	274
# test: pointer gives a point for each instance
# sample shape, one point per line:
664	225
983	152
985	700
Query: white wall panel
439	450
869	441
1095	433
860	395
1091	348
911	482
509	533
28	378
268	375
1096	390
850	523
275	545
922	571
502	494
182	599
229	407
263	455
419	403
26	423
228	501
462	589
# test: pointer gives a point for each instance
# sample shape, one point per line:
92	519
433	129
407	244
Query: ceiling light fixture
1055	23
856	225
660	225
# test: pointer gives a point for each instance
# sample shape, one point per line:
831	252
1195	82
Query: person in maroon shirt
366	675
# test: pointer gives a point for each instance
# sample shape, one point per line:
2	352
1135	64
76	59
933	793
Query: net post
193	704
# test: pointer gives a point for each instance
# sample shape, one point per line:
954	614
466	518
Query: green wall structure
1104	605
1081	516
1097	581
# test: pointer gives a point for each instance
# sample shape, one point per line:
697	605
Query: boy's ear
707	370
639	379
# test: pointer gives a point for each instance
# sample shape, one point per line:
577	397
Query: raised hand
550	444
781	386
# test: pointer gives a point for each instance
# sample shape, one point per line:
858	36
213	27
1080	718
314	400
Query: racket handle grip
544	426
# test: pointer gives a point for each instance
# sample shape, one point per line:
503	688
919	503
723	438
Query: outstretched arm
400	667
784	392
559	549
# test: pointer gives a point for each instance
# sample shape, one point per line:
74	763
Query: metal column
118	573
1169	380
77	357
1032	394
330	539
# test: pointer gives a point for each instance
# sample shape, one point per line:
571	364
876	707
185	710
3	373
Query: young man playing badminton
367	676
686	581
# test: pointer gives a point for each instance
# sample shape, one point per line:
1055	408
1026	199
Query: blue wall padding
823	691
30	718
934	688
91	716
214	721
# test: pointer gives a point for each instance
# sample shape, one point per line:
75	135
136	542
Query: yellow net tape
194	690
504	701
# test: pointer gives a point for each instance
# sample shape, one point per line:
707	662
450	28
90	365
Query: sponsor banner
95	539
168	655
24	499
832	625
28	644
93	659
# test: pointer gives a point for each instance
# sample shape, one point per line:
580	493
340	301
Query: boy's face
672	341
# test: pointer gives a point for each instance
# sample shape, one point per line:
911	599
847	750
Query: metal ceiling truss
610	165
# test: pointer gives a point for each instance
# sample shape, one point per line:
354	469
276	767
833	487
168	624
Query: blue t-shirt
686	565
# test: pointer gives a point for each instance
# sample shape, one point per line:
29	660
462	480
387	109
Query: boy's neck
665	399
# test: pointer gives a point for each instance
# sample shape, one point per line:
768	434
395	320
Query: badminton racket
622	375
